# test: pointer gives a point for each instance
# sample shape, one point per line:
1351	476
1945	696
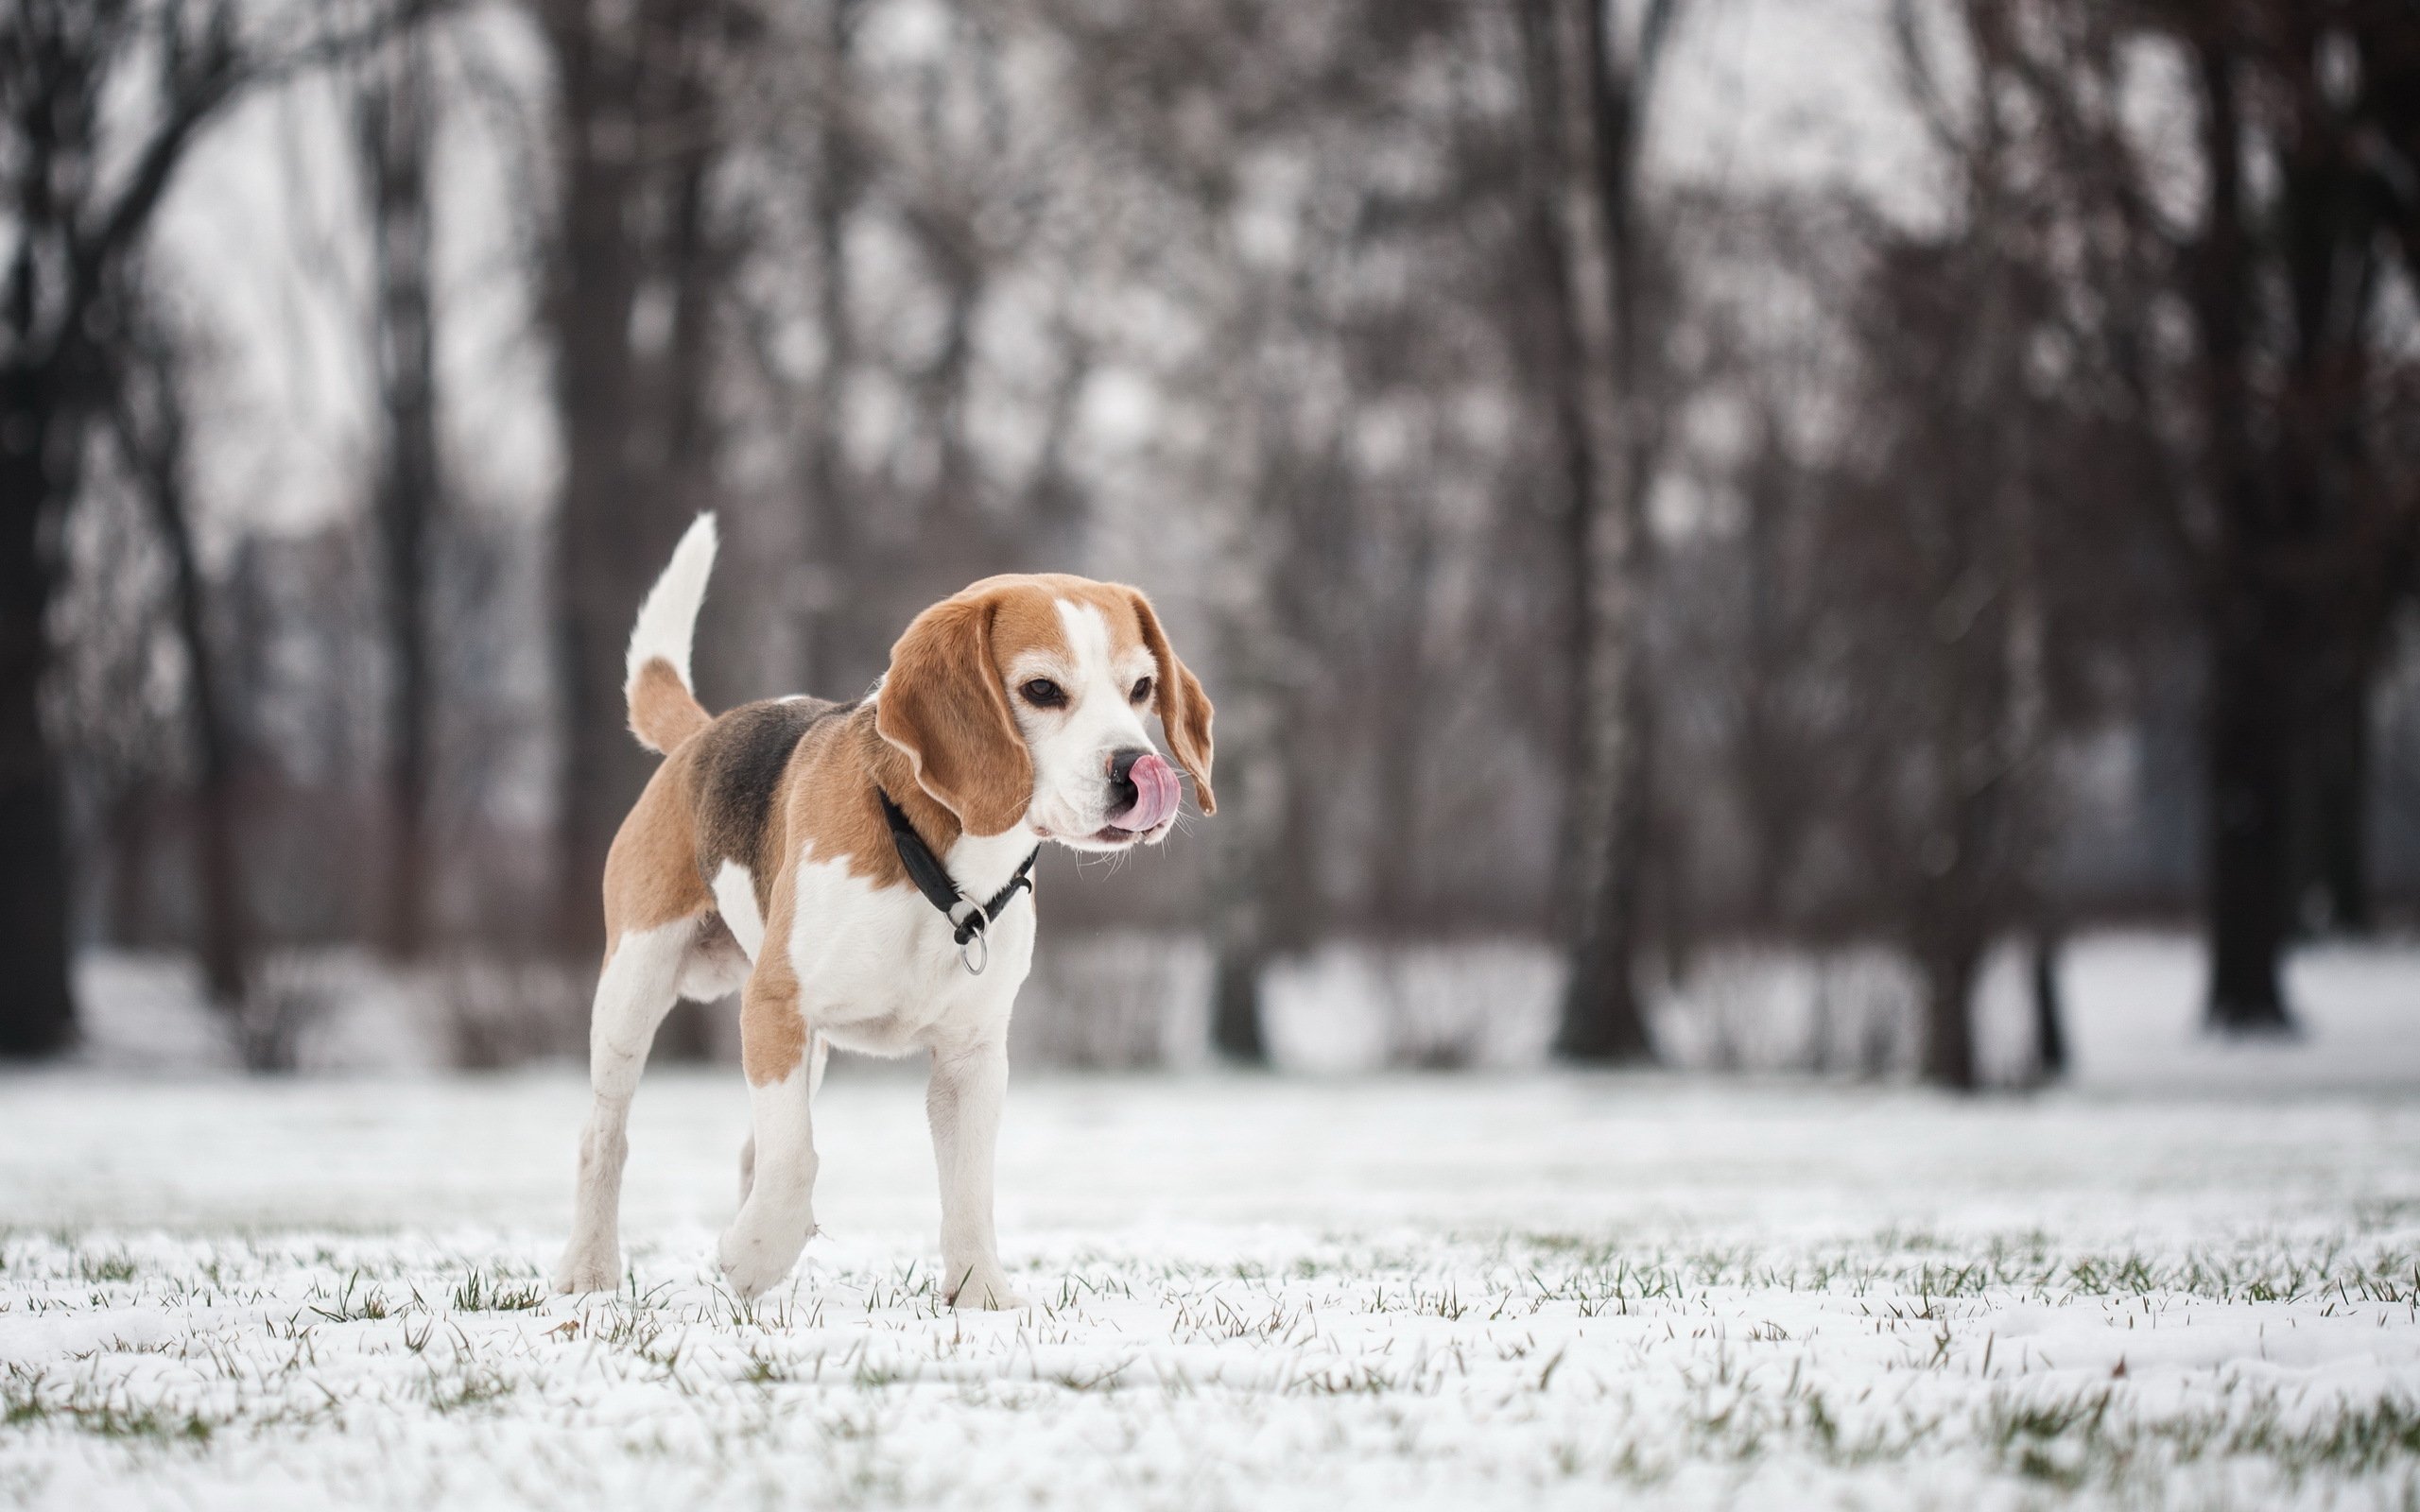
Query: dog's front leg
819	1052
778	1216
969	1085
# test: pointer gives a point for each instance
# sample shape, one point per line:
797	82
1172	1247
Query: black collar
932	879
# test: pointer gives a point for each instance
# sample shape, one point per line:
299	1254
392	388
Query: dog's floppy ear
1183	706
942	704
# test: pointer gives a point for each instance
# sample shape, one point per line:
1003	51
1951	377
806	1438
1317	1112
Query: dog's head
1023	697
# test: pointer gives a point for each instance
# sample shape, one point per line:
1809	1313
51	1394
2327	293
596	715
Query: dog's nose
1143	786
1122	791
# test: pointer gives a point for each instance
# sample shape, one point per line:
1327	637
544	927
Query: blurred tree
633	268
1321	194
1929	532
118	725
1589	94
2272	417
101	101
394	126
2307	551
840	169
153	430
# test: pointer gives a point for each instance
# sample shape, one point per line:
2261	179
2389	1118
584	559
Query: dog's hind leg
638	987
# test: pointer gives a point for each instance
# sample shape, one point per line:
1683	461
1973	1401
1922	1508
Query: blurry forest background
1882	483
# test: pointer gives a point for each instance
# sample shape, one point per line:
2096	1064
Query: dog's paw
754	1261
589	1270
750	1276
984	1289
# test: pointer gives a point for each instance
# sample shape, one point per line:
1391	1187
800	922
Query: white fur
964	1101
667	622
735	890
714	967
878	968
777	1217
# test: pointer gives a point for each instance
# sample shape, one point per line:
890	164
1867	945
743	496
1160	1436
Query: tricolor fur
759	857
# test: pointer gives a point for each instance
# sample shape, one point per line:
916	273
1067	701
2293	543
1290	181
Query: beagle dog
856	870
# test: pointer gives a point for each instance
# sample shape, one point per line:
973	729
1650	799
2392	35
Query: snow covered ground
2179	1288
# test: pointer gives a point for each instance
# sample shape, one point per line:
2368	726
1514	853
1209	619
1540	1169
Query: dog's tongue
1155	795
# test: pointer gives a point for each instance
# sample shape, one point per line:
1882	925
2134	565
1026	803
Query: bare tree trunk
679	396
1772	793
1950	969
1953	910
1240	946
830	511
226	928
2248	741
595	281
1269	906
80	204
2247	728
1265	898
153	434
394	126
132	830
633	129
1257	906
1234	1007
38	1011
1586	113
2337	818
1602	1017
2027	719
2049	1007
1398	849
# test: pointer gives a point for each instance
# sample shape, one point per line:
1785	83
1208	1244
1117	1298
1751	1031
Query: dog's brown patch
945	706
663	712
1026	618
651	871
836	784
1184	709
773	1031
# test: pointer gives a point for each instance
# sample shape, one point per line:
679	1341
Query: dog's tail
663	708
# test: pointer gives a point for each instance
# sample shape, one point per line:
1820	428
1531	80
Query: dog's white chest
879	971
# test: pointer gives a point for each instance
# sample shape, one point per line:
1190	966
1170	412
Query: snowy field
2192	1280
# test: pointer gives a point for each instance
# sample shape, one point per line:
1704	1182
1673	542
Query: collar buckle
975	943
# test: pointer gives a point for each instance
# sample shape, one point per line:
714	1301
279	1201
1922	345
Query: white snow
2191	1281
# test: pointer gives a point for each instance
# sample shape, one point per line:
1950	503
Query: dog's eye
1043	694
1142	690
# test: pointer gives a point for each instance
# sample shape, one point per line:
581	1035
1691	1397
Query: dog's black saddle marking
741	761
